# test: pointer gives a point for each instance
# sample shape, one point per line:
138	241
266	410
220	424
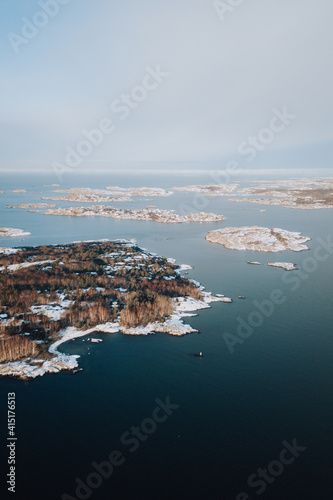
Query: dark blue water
235	409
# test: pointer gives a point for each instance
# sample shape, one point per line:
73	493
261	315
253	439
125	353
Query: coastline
185	307
260	239
13	232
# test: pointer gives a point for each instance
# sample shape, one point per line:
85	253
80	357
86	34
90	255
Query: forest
48	288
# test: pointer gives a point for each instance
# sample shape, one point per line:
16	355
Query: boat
200	355
241	297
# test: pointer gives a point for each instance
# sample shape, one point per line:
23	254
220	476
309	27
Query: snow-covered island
261	239
12	232
208	189
87	195
147	214
73	290
287	266
301	194
110	194
139	191
32	205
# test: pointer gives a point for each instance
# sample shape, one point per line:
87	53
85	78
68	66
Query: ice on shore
184	308
8	251
174	325
184	267
32	369
71	333
16	267
12	232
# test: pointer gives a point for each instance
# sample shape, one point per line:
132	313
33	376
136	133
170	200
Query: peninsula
52	294
12	232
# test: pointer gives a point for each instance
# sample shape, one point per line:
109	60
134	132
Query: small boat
200	355
241	297
255	263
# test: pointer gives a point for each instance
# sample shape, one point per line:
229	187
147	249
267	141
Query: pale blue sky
225	78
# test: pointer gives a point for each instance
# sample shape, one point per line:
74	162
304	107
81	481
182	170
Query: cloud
225	78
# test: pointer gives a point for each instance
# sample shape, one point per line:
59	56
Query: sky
206	82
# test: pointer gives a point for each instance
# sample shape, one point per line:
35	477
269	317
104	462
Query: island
147	214
287	266
209	189
32	205
52	294
302	194
109	195
261	239
87	195
139	191
13	233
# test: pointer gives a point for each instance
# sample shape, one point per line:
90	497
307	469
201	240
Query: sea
225	419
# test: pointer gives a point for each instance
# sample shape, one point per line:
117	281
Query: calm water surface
234	409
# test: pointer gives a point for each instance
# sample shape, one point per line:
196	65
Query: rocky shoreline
147	214
261	239
12	232
127	256
287	266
